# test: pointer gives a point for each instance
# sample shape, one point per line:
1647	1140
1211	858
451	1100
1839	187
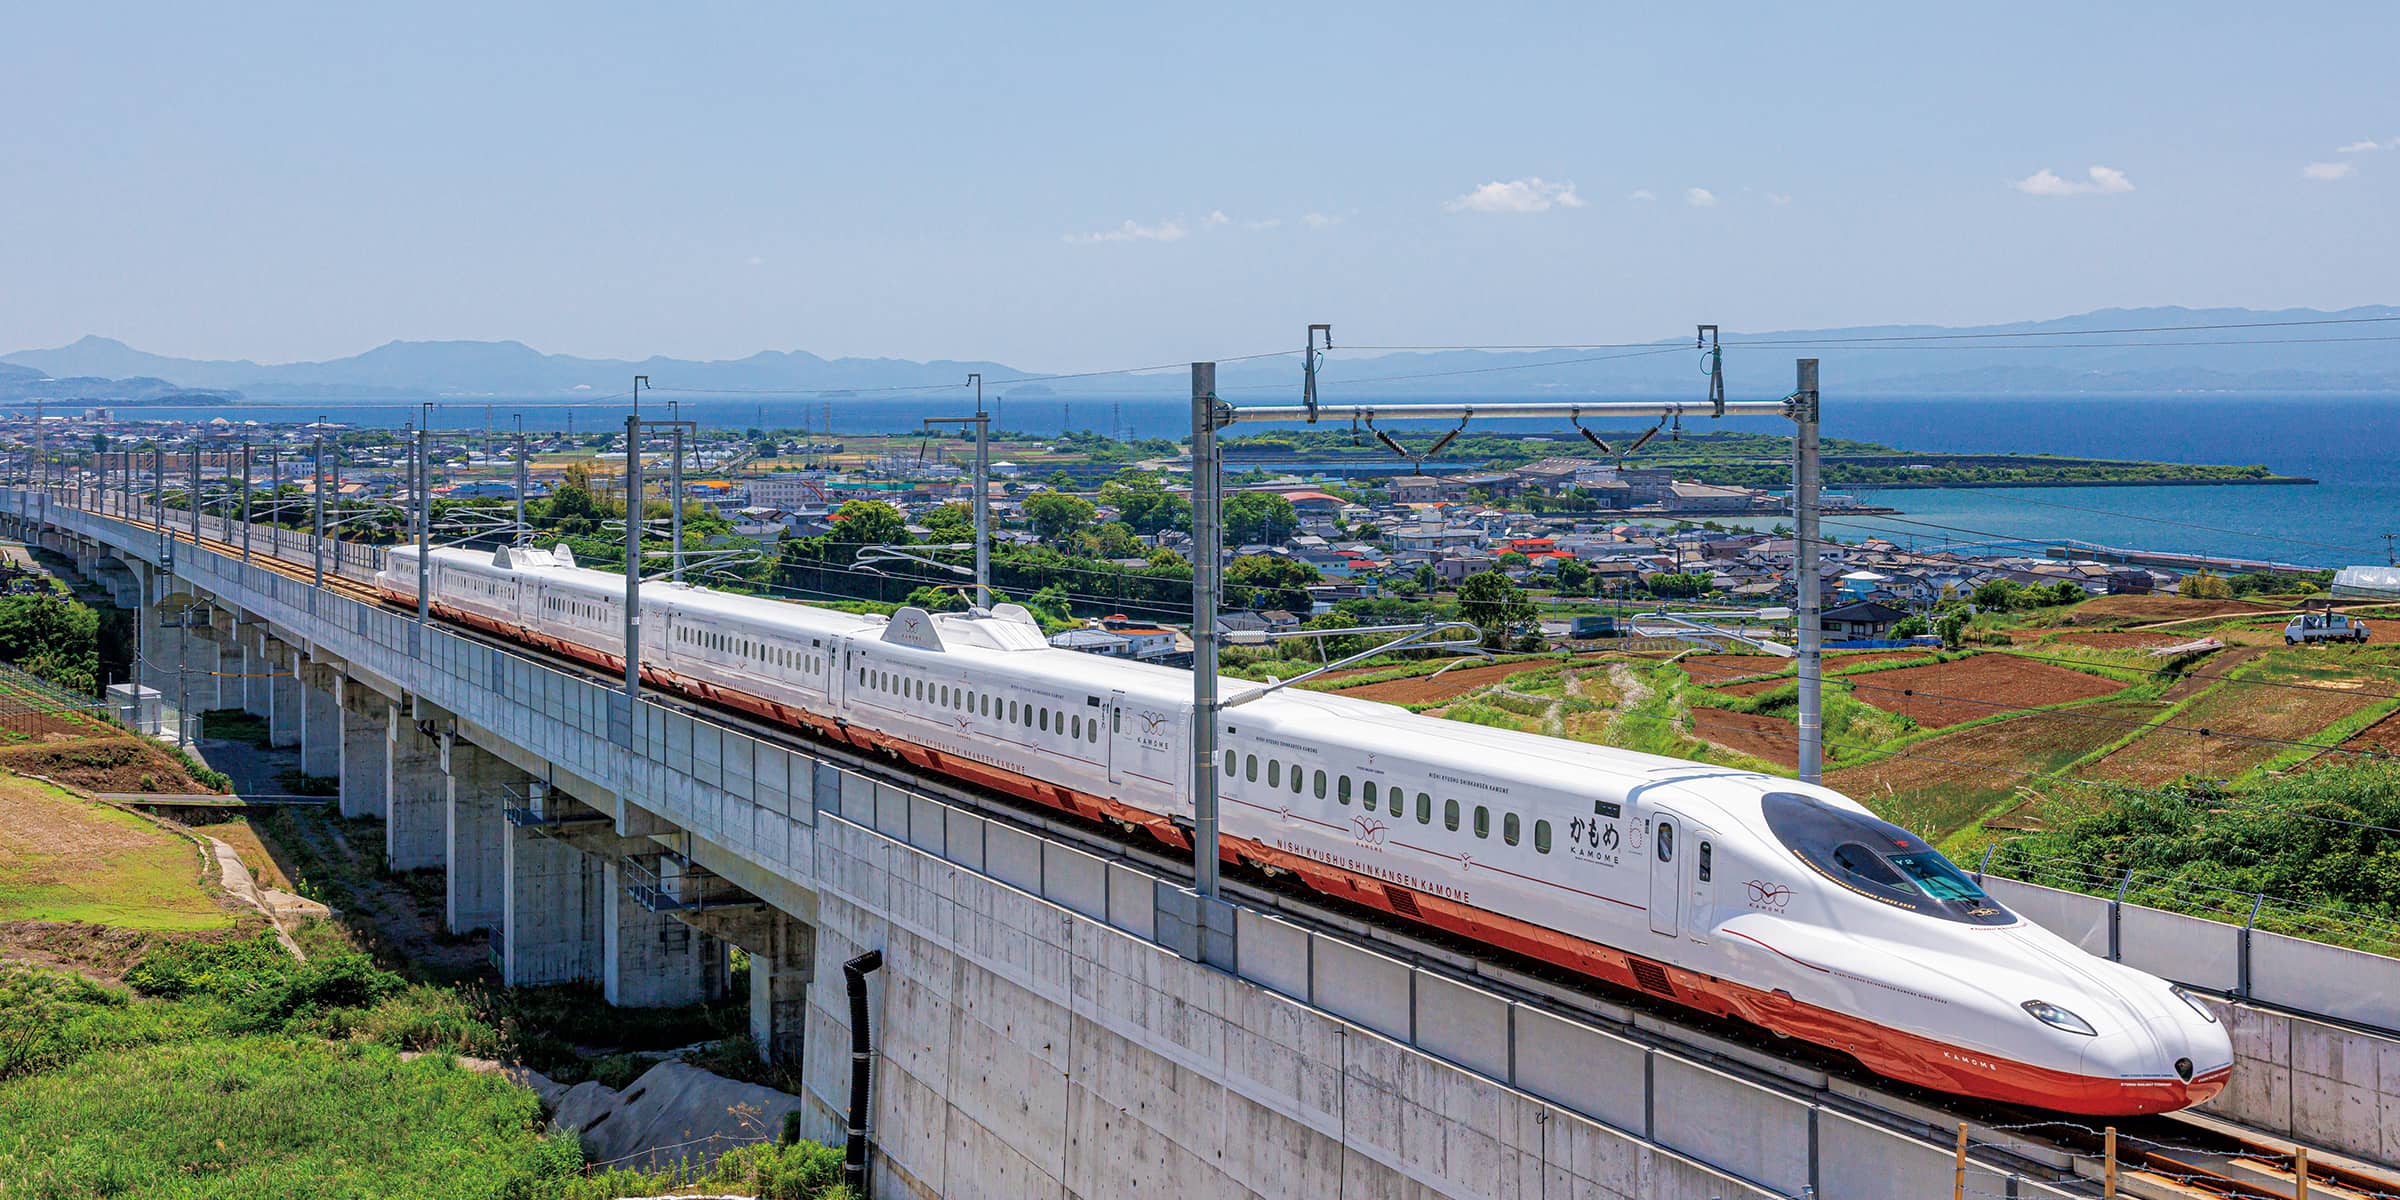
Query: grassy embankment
223	1066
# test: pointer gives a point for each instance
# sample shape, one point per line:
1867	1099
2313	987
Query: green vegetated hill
228	1068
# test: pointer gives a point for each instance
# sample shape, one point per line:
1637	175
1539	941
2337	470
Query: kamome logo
1371	832
1151	721
1768	897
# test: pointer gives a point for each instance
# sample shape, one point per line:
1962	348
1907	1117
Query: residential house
1862	620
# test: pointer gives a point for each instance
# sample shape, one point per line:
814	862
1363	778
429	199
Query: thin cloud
2104	181
1641	195
1700	197
1216	216
2359	147
1531	194
1134	231
2324	172
1779	199
1318	220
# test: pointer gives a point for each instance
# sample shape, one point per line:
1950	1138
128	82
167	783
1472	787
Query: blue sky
1071	187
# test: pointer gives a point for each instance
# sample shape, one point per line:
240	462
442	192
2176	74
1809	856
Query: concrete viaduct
1042	1024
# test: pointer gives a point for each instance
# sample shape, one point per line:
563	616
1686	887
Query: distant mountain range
2111	350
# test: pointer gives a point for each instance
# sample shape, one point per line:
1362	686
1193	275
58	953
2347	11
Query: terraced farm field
1948	693
1944	783
2292	696
2123	611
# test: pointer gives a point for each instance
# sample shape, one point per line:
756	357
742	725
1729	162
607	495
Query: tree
1260	517
1998	595
1573	576
1051	607
1952	626
869	523
1513	560
1911	626
1112	540
1673	585
1056	516
53	637
1495	604
1428	580
946	523
573	509
1264	581
937	599
1144	503
2201	585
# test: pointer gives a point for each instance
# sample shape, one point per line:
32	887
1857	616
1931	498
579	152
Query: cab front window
1878	859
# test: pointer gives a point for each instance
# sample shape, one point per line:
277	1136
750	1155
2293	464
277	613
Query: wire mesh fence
2332	924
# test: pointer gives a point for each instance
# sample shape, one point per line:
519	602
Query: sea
2347	442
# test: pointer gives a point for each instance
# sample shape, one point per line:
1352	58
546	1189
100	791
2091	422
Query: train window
1091	731
1708	864
1341	789
1368	795
1483	821
1231	761
1320	785
1424	809
1011	718
1296	781
1450	815
1664	840
1541	841
1250	767
1116	720
1075	728
1045	720
1509	829
1274	773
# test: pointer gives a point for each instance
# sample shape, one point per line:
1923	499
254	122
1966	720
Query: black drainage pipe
862	1062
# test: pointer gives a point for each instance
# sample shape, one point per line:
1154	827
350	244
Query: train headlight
2058	1018
2197	1004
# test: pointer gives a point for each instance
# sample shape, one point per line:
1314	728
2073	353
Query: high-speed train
1735	893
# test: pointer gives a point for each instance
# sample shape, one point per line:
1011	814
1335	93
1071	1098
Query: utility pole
982	422
675	490
1207	536
194	498
523	534
246	493
1809	584
633	559
316	487
424	480
158	506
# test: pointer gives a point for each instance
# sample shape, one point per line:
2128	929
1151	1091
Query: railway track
2174	1156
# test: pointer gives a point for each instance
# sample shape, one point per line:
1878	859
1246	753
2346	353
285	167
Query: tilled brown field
2143	610
1747	733
1427	689
1981	686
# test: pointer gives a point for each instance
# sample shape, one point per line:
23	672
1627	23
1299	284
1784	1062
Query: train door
1700	870
1116	733
1666	874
